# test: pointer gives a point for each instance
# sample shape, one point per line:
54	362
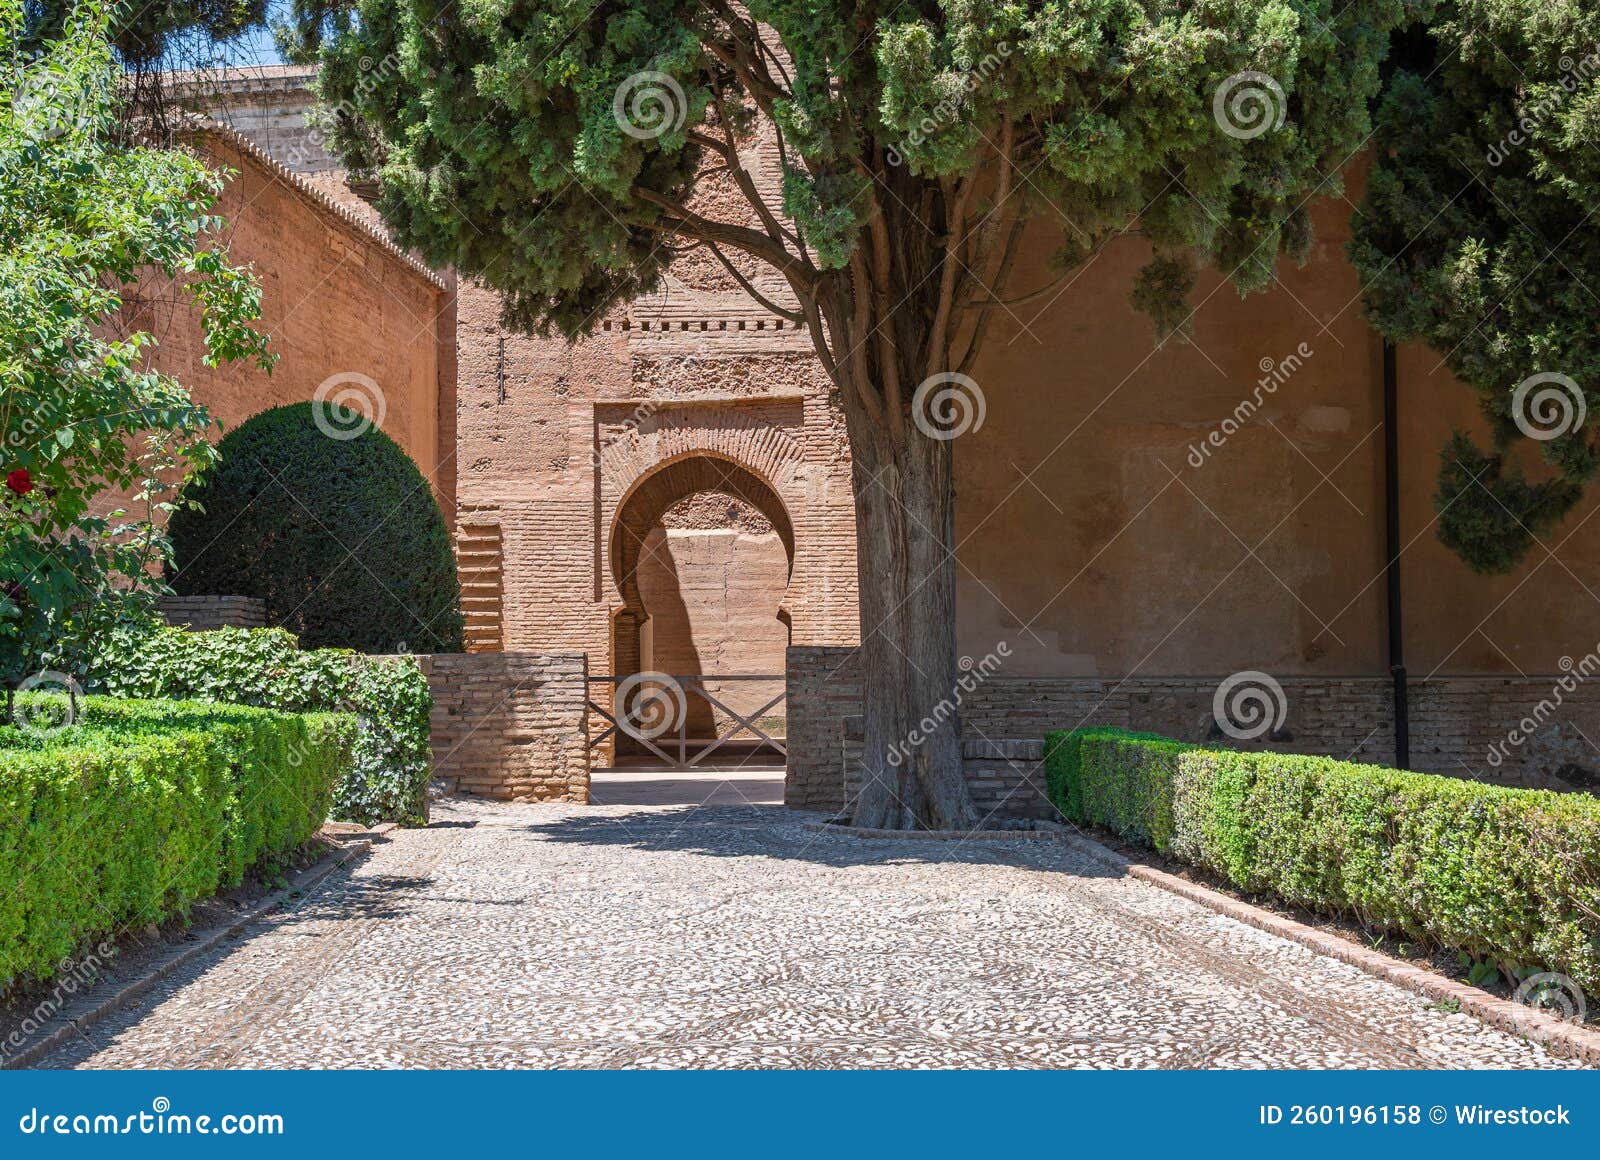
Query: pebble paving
614	936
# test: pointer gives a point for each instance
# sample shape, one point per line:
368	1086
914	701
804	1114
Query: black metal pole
1391	520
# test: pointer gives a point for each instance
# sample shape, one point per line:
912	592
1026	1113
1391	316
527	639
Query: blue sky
254	47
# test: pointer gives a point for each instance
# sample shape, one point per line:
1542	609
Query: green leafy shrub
92	436
1511	876
140	808
1063	770
388	777
339	536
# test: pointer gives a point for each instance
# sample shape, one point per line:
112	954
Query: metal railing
665	710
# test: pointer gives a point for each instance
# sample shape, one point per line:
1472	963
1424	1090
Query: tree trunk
911	770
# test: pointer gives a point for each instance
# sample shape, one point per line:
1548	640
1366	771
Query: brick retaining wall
510	725
204	613
1455	722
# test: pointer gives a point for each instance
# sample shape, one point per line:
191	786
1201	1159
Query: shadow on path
719	831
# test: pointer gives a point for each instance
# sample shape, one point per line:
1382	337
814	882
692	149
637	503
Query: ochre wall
713	576
1094	546
334	298
1461	622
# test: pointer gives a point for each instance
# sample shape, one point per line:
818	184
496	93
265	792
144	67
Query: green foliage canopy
1477	237
493	127
143	33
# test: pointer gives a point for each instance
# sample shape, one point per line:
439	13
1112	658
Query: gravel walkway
730	936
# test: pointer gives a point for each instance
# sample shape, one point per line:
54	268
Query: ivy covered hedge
140	808
1510	876
265	667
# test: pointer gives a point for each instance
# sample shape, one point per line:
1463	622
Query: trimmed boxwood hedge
141	808
340	537
387	779
1510	876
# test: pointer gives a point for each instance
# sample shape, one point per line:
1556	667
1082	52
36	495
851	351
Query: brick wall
560	445
824	692
510	725
204	613
338	299
1460	725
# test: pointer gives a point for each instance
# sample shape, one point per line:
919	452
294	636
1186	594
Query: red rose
20	481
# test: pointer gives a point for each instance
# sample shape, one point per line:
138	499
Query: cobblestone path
730	936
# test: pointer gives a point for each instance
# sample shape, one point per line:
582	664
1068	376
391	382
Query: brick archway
754	448
715	607
634	441
641	507
644	504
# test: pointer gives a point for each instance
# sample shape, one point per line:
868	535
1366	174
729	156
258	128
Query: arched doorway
701	552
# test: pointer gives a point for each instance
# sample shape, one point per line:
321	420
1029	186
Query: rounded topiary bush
338	534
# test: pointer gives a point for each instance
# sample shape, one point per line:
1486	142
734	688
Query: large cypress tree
555	148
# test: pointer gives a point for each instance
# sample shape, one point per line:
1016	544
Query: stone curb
1556	1036
70	1023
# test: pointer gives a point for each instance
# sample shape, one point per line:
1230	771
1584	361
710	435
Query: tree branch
955	214
753	242
1021	299
1007	258
780	311
747	186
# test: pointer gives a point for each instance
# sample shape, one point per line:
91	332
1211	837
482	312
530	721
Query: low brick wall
824	690
1459	726
510	725
204	613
